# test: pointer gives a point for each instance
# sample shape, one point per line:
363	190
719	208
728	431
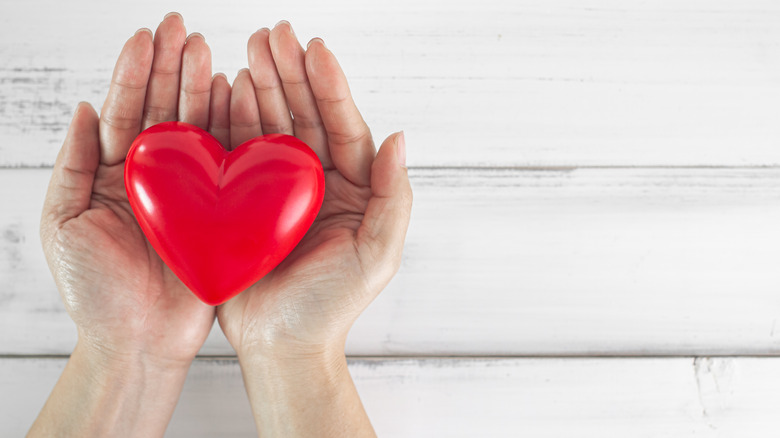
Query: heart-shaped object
221	220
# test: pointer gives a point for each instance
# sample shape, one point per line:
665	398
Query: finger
244	114
219	111
195	90
380	237
120	118
70	188
289	58
349	139
274	112
162	94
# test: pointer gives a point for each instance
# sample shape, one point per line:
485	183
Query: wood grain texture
512	262
610	251
707	397
490	83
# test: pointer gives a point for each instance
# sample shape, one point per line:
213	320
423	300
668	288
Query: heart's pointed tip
214	297
214	301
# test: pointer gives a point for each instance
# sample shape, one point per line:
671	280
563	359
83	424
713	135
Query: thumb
70	187
381	235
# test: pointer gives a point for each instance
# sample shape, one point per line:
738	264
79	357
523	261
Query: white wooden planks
491	83
499	261
517	262
618	397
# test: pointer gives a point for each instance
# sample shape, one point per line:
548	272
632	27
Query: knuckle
157	114
118	119
361	135
276	128
306	122
197	92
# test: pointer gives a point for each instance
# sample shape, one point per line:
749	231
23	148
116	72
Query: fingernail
144	29
401	149
241	72
78	107
172	14
195	34
288	25
219	74
313	40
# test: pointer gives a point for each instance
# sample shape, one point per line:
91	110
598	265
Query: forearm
304	396
97	395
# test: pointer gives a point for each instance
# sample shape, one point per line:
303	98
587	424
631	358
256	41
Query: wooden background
595	239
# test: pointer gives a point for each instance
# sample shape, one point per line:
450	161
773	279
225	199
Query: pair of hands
128	306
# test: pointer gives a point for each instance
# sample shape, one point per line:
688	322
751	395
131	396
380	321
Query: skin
291	326
139	327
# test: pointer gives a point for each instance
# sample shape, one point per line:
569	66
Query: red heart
221	220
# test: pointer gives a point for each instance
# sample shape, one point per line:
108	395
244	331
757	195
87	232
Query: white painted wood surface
659	237
588	261
660	397
495	82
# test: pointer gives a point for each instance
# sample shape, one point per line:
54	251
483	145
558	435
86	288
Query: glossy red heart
221	220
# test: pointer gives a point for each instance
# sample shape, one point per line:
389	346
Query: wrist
294	359
128	358
123	372
303	392
294	353
103	393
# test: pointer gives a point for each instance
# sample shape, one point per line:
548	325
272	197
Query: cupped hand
308	303
125	302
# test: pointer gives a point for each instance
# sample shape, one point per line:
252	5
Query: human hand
129	308
307	304
290	327
138	326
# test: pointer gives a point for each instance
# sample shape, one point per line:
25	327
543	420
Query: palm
313	275
333	231
105	237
